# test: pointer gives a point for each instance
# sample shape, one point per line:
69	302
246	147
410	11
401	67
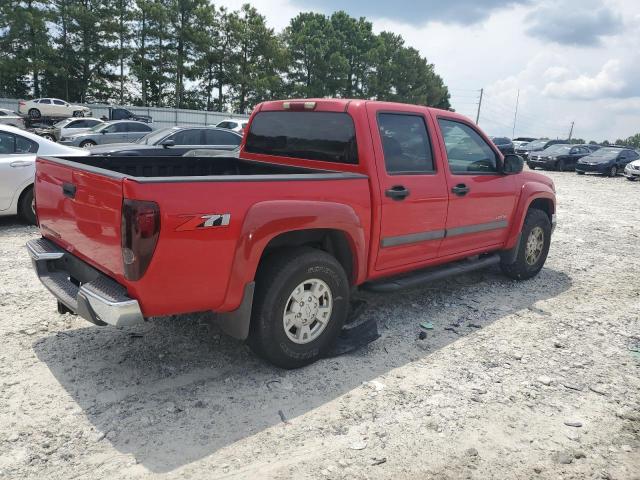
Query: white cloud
608	82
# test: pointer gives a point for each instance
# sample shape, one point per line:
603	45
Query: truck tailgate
81	211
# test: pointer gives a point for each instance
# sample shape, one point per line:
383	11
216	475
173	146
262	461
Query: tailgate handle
69	190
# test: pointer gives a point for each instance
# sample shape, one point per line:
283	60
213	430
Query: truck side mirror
512	164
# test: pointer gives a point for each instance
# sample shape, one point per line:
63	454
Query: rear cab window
323	136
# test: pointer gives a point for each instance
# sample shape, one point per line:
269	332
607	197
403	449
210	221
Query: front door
412	187
481	198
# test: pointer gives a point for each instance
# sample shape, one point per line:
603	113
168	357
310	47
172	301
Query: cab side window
467	152
405	143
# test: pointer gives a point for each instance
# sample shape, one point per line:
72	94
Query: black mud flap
355	334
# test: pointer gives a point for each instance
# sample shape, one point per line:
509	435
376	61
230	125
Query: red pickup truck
325	196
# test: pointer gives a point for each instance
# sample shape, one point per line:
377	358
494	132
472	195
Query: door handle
20	163
69	190
397	192
461	189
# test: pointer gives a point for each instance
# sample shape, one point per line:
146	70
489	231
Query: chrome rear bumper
81	288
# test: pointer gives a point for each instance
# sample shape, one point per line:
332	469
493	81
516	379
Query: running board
436	273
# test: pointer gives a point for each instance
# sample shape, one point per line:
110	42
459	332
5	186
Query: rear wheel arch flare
333	241
545	205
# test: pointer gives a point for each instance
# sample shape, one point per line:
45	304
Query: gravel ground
516	380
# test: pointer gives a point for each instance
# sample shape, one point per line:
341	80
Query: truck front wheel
533	248
301	303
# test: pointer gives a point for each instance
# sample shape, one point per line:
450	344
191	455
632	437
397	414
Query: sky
570	60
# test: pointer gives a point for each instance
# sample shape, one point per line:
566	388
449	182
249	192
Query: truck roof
341	105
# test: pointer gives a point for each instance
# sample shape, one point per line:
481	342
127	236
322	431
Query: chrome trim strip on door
438	234
412	238
480	227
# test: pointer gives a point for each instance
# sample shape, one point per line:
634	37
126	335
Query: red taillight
140	231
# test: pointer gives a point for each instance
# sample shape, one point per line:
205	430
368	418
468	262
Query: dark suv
558	157
537	146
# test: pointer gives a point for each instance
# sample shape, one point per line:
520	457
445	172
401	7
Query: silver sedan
119	131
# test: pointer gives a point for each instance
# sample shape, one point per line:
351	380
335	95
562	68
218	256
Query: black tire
579	172
531	166
34	113
49	137
78	113
521	269
276	281
631	179
88	144
613	171
25	207
560	165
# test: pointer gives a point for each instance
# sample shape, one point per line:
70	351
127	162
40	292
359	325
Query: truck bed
80	204
186	168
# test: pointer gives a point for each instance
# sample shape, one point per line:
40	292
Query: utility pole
571	131
515	115
479	105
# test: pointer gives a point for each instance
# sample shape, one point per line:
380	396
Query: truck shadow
174	390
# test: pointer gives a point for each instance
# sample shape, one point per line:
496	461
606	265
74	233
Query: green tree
24	44
634	141
257	60
308	43
403	75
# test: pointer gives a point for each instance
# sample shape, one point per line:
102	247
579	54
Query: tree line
192	54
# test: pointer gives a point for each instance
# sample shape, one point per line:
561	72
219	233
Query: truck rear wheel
300	305
533	248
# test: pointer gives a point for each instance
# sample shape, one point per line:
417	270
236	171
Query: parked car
66	128
274	241
51	107
504	144
233	124
173	141
559	157
119	131
608	161
120	113
18	150
11	118
632	170
537	146
593	147
519	142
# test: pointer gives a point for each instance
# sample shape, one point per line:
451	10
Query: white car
18	150
632	170
235	124
8	117
51	107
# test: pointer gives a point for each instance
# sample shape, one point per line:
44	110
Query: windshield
154	137
605	153
558	149
500	140
536	144
62	123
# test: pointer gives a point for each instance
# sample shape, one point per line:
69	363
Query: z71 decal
205	221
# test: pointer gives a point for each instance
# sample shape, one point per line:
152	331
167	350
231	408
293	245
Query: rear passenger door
413	193
481	199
